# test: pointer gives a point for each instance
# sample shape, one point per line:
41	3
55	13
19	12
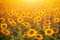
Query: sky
26	4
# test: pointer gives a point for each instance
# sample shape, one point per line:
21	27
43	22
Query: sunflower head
41	13
37	19
10	19
5	32
57	14
56	9
55	30
56	20
12	22
34	11
3	26
23	15
49	32
47	22
26	24
25	36
9	14
29	15
39	36
32	32
2	19
20	20
46	27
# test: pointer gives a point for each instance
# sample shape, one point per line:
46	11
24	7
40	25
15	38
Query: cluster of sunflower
4	29
34	24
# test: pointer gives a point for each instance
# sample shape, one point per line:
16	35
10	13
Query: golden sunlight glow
25	4
30	1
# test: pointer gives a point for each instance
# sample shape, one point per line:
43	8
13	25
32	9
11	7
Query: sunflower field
29	19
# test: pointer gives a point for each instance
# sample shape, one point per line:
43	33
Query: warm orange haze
29	19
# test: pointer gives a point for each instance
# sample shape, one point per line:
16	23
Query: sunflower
47	22
37	19
46	27
34	11
2	19
32	32
41	13
20	20
29	15
13	12
17	14
39	36
3	26
26	24
55	30
23	15
56	9
11	21
49	32
5	32
9	14
56	20
57	14
25	36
